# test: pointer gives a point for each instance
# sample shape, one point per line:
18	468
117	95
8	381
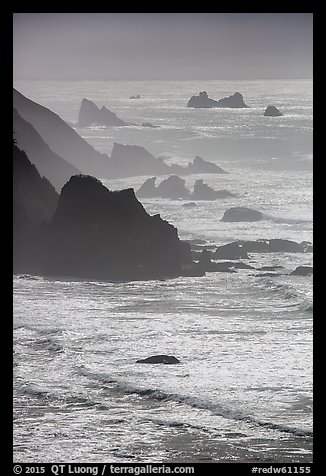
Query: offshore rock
236	214
159	359
302	271
203	101
272	111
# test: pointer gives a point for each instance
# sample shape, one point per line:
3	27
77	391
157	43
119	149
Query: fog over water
162	45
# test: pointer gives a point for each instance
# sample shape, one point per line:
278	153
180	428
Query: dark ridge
49	164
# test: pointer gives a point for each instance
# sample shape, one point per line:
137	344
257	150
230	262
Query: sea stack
203	101
90	114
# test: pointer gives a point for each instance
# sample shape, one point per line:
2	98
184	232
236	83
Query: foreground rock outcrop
203	101
34	203
99	234
89	114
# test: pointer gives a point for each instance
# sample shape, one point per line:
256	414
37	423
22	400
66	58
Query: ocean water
243	390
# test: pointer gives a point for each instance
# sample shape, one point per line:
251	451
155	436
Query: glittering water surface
243	390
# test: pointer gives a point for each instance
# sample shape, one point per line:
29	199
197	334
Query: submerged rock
159	359
241	214
272	111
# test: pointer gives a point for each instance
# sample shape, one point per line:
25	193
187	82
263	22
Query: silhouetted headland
66	143
57	170
62	139
34	203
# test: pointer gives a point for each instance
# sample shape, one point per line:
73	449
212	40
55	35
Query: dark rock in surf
280	245
272	111
189	205
270	268
90	114
258	246
231	251
237	214
267	275
302	271
159	359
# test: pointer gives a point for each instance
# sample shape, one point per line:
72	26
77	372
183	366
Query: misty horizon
162	46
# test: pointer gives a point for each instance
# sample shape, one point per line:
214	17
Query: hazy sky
162	45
